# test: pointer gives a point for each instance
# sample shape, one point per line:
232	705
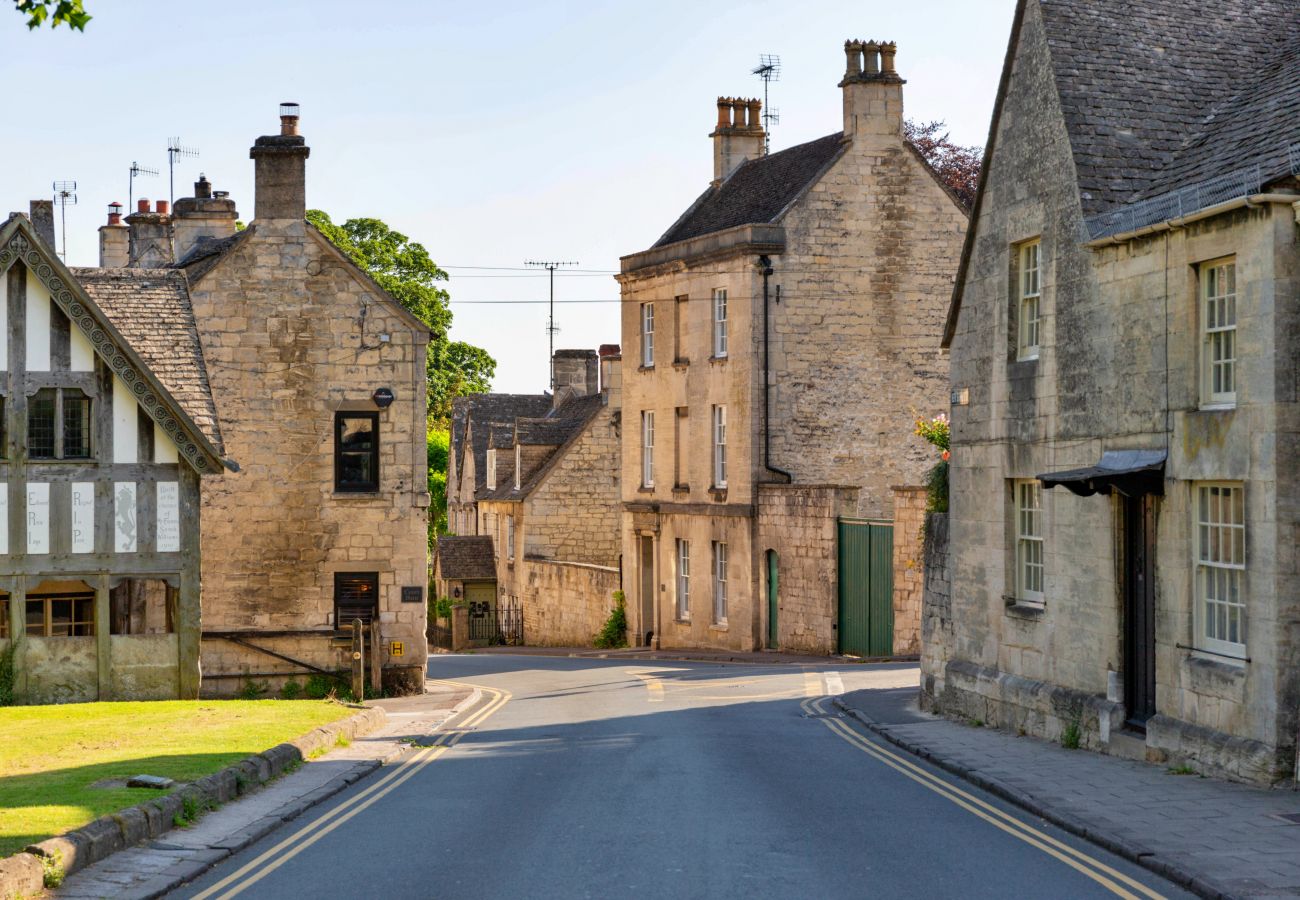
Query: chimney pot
115	213
162	207
887	51
755	120
289	118
202	188
724	113
870	52
853	56
142	205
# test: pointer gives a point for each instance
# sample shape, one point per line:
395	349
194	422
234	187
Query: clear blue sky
491	133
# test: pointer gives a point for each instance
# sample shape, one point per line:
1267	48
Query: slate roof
559	429
758	191
466	557
1163	92
486	410
208	251
151	308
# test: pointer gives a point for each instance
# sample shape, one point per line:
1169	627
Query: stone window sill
718	626
1199	662
718	493
717	360
649	368
1024	609
646	489
357	495
1217	407
681	363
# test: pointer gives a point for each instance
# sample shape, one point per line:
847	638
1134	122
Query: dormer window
58	424
492	469
518	465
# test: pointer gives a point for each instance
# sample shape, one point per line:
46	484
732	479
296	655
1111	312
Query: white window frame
1027	503
491	469
719	446
1029	294
1219	560
720	323
1218	320
720	582
648	448
647	335
519	460
510	538
683	579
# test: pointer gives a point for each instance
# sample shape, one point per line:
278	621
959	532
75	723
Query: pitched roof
466	557
208	251
1147	89
559	429
151	309
487	410
758	191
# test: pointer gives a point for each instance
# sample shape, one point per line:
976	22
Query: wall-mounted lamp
455	592
383	397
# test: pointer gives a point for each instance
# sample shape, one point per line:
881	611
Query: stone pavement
1217	838
182	854
758	658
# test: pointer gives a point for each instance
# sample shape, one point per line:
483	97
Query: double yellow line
1116	882
254	871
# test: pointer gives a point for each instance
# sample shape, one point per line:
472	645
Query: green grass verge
51	755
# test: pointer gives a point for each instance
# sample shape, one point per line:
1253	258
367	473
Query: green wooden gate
866	570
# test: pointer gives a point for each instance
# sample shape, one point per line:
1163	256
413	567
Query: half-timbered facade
102	447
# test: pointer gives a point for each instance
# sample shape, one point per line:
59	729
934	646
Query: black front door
1139	610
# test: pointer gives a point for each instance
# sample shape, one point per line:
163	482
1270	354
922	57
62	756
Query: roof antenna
174	150
551	329
768	69
136	169
64	196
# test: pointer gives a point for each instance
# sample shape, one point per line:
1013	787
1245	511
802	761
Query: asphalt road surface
604	779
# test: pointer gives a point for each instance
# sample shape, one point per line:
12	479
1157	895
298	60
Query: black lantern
383	397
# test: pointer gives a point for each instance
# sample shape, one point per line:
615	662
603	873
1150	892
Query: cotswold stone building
1123	513
318	381
779	339
106	429
543	489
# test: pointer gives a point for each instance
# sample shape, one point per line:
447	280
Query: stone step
1127	745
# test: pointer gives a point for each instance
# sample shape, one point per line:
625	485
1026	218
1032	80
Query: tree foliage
404	269
56	12
438	442
958	166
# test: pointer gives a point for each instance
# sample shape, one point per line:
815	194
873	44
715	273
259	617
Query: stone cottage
318	380
781	339
548	500
1123	527
107	427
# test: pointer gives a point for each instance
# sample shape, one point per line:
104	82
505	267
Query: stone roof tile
466	557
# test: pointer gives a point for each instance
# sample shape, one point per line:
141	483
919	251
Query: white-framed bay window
720	582
720	322
720	446
1029	540
683	579
1218	288
1029	293
1220	560
648	448
647	335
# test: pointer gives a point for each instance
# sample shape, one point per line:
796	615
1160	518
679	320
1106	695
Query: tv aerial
176	150
136	169
65	196
768	69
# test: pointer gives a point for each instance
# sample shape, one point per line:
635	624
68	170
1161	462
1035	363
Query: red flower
945	455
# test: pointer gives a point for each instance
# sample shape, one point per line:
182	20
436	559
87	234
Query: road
603	778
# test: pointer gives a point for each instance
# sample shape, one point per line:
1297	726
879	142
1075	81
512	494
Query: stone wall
909	568
60	670
800	524
936	609
144	666
573	512
565	603
292	334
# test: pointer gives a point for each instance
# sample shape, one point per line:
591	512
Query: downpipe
765	264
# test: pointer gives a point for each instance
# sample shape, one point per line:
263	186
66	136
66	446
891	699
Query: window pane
76	425
36	618
356	434
40	425
356	452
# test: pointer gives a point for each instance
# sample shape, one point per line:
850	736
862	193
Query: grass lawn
51	755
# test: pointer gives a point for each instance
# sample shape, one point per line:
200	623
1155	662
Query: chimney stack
114	240
738	137
873	90
611	374
42	216
207	216
150	244
280	171
576	375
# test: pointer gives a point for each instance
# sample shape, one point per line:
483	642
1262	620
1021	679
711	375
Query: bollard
358	661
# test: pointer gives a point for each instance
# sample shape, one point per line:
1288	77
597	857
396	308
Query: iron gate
493	625
866	575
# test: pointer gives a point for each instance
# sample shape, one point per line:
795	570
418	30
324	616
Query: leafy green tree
56	12
404	269
439	443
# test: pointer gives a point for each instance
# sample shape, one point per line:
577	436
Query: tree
404	269
438	443
56	12
958	167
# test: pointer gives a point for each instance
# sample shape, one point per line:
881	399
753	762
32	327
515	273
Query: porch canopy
1127	472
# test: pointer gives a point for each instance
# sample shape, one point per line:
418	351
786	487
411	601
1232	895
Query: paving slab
1217	838
153	868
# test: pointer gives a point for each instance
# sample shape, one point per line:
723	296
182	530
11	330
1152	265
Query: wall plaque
413	594
83	517
169	517
124	517
38	518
